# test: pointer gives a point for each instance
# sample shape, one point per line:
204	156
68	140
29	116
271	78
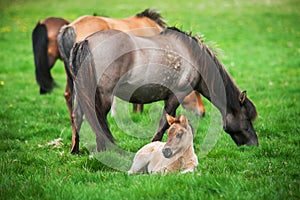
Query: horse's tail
41	60
84	75
66	39
154	15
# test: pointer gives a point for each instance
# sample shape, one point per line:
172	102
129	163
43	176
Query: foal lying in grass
175	155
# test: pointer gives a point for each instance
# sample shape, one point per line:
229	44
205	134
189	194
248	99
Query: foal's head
180	136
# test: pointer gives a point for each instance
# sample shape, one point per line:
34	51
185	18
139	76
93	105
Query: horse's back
53	25
151	147
144	63
139	26
105	37
107	45
87	25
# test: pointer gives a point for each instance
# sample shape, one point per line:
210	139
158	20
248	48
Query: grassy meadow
261	51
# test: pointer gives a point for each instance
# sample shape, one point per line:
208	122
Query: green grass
260	40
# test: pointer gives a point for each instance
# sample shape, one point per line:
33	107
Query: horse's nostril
167	152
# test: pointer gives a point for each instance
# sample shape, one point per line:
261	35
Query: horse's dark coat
143	70
45	50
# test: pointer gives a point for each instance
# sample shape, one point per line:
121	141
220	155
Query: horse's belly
146	83
142	94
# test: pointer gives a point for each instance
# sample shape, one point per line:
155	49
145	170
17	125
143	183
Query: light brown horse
193	102
175	155
147	23
45	50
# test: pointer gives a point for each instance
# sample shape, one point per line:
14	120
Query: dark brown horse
143	70
147	23
45	50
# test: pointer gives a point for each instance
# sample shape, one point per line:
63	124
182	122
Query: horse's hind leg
52	60
77	118
200	104
171	104
68	98
141	160
103	104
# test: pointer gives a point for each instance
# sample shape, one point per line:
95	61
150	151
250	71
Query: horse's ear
170	119
242	97
183	120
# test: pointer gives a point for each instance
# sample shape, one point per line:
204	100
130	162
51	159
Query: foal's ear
242	97
183	121
170	119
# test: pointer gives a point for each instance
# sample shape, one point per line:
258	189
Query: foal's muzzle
167	152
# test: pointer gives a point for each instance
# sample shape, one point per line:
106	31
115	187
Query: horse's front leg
171	104
138	108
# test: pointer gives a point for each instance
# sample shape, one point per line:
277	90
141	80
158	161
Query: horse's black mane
154	15
174	28
232	98
197	39
187	36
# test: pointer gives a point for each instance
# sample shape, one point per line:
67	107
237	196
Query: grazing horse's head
239	123
180	136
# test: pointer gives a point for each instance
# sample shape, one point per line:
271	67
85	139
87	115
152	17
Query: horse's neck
186	159
186	153
189	152
216	84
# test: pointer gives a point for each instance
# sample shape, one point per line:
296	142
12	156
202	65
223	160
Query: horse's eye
179	135
246	128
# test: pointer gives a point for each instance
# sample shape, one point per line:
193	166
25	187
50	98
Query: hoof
74	151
